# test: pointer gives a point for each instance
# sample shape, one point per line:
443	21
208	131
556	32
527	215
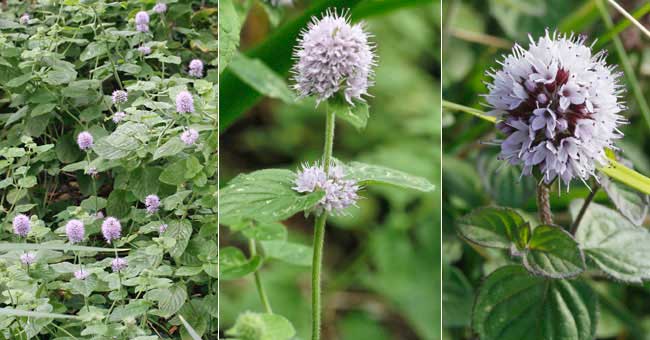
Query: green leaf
94	49
117	204
84	287
134	309
512	304
20	80
631	204
257	75
36	315
171	202
4	247
265	231
365	174
60	75
229	27
189	328
612	243
495	227
505	184
171	148
174	174
181	231
173	298
265	326
553	252
356	114
42	109
264	195
288	252
233	264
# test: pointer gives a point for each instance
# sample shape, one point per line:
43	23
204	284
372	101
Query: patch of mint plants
108	165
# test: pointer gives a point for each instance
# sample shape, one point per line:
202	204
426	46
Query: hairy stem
583	209
544	204
258	280
319	234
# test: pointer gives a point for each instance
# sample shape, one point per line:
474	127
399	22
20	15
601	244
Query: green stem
319	233
258	280
585	205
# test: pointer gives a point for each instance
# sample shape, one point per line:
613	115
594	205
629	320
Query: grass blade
620	26
190	330
475	112
32	314
62	247
627	65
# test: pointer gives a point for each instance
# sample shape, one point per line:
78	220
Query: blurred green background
475	35
382	265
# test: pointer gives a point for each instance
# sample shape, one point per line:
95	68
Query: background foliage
475	34
382	263
57	73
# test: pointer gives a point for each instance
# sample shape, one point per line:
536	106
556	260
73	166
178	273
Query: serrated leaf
356	114
265	231
229	31
181	232
94	49
32	314
84	287
4	247
288	252
512	304
171	148
365	174
612	243
553	252
264	195
631	204
20	80
173	298
233	264
257	75
495	227
42	109
271	326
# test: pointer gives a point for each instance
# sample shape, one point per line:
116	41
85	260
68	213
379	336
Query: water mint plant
545	204
333	71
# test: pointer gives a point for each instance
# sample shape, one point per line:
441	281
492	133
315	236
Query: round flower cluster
184	102
120	96
91	171
85	140
81	274
189	136
75	231
145	50
196	68
558	105
142	21
28	258
24	19
118	116
160	8
162	228
111	229
152	203
333	56
22	225
340	193
118	264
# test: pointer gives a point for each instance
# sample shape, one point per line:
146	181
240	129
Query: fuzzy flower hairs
558	106
333	57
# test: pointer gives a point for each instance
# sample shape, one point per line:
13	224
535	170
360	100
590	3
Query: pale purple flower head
146	50
99	214
160	8
340	193
91	171
111	229
118	264
162	228
142	21
28	258
24	19
22	225
558	106
81	274
333	57
75	231
152	202
120	96
184	102
189	136
118	116
196	68
85	140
